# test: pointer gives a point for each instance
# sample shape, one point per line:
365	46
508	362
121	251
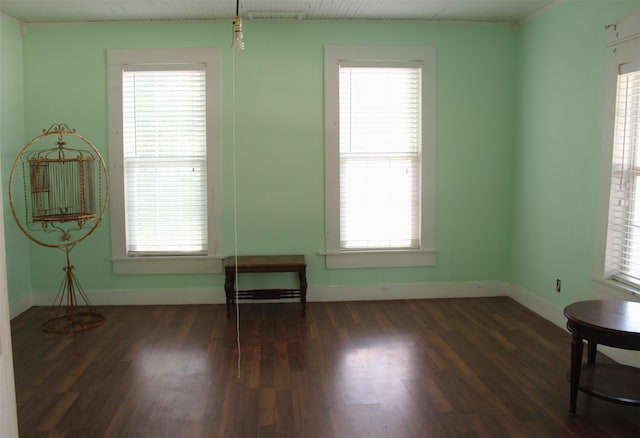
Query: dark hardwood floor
414	368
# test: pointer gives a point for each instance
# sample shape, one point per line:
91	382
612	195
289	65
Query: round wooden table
612	323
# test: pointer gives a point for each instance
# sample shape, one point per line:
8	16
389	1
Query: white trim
314	294
20	305
626	357
538	305
379	259
122	264
623	48
306	20
340	293
605	168
407	291
8	412
425	256
606	289
629	67
142	297
556	316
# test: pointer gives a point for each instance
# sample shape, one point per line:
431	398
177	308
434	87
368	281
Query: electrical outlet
558	284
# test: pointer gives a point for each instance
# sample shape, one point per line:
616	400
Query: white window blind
380	152
165	166
623	247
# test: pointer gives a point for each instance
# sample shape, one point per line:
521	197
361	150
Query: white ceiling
48	11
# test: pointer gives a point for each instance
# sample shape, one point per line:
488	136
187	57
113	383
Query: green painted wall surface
518	130
11	141
556	162
279	141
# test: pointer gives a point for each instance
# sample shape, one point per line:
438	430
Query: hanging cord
235	208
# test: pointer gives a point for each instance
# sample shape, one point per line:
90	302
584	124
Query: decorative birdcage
62	187
58	197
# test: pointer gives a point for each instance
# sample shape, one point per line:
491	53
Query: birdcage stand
73	311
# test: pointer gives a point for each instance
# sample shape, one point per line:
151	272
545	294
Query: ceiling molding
83	11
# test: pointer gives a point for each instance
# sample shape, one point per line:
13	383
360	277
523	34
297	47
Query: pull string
235	206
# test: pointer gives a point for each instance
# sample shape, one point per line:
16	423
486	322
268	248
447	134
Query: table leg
576	363
591	352
229	282
302	276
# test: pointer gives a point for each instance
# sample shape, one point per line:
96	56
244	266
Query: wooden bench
265	264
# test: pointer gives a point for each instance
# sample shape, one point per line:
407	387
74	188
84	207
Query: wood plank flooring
412	368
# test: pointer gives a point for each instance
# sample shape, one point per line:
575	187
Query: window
165	160
623	255
618	251
380	151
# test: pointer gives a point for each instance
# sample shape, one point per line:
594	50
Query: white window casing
617	255
380	156
165	160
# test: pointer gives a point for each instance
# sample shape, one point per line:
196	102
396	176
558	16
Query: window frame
122	263
623	47
425	254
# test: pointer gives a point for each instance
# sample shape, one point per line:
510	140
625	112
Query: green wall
279	147
556	160
518	131
11	140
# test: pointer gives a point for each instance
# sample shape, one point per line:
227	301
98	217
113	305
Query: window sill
167	265
379	259
608	289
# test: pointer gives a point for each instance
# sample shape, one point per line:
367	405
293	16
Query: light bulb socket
237	24
238	36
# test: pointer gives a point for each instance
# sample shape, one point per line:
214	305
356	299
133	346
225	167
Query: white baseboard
141	297
22	304
407	291
556	316
318	294
334	293
538	305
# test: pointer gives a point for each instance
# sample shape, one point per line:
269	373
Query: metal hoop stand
59	190
70	315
